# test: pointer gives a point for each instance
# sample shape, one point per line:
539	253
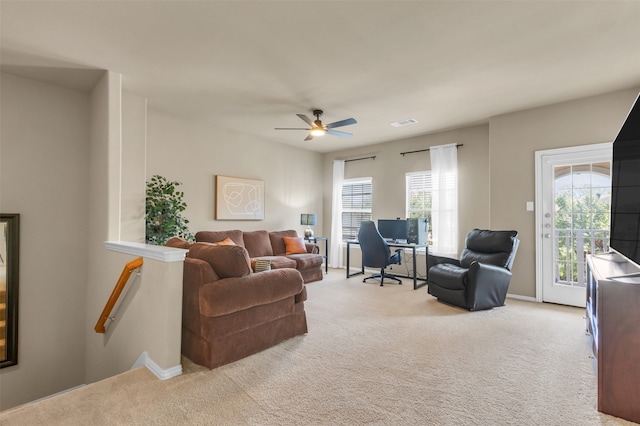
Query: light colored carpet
373	356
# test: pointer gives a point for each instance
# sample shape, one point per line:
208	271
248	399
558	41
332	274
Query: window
418	187
356	205
419	194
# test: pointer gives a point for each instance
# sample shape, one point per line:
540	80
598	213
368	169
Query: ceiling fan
319	129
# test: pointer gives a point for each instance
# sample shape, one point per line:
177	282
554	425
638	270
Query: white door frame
539	231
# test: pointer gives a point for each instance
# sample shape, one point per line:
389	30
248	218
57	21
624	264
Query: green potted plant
163	215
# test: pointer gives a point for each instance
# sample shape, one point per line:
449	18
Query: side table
315	240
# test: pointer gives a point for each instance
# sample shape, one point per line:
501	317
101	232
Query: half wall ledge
161	253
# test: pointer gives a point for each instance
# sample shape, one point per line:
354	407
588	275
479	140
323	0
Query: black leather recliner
480	279
376	252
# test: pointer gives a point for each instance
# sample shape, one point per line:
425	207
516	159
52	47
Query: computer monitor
393	229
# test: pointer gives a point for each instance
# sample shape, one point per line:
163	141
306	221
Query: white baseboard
160	373
55	394
525	298
143	360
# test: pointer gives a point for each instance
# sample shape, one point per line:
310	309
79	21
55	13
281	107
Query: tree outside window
582	217
418	197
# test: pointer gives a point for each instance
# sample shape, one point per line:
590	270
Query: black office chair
376	252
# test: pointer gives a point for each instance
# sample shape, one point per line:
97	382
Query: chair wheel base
382	277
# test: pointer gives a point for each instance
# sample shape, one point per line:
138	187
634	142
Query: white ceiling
249	66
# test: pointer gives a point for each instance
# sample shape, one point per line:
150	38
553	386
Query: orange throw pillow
294	245
226	242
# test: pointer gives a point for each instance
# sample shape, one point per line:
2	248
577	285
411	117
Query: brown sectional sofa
230	312
271	246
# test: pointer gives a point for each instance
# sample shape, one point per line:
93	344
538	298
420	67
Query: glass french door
573	218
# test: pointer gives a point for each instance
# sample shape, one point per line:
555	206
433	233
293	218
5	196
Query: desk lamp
308	219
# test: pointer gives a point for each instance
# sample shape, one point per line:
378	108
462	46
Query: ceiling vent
404	122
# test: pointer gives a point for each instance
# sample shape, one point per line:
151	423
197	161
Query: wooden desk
406	246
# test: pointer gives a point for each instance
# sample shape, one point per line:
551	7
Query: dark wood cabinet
613	322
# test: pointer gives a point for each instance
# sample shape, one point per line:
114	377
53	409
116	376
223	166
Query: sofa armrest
229	295
196	273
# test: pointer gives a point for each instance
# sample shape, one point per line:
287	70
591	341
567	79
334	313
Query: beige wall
63	168
104	181
194	153
148	318
150	313
496	168
514	140
134	146
44	174
389	168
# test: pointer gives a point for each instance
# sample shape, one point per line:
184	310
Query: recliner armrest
493	288
433	260
486	271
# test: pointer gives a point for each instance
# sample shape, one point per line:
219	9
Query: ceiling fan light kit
318	129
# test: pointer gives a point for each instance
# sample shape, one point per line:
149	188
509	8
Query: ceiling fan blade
339	133
291	128
341	123
305	119
308	138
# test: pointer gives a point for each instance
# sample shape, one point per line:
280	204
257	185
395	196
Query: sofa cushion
257	243
306	261
279	262
226	242
190	253
294	245
178	242
226	261
277	243
217	236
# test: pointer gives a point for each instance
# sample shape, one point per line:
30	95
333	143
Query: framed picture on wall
9	277
239	198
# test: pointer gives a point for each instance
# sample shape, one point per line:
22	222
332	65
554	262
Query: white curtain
335	252
444	208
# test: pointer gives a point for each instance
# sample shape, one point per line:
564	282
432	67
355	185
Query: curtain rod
423	150
363	158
